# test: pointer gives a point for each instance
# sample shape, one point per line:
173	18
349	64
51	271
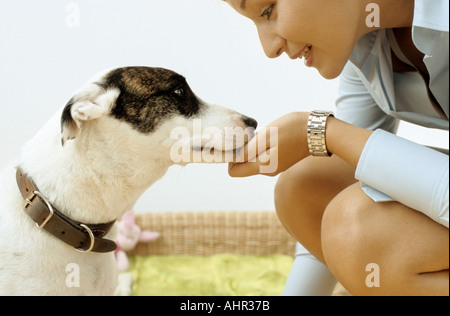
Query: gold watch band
317	122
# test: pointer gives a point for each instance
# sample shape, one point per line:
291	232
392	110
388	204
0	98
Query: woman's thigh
303	192
410	250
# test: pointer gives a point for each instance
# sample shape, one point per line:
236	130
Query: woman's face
331	27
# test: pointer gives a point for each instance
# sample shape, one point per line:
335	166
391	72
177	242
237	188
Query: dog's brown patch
147	96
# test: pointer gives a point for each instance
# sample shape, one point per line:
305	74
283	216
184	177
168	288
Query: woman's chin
329	73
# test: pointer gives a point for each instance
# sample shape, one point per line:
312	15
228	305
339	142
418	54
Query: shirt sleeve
356	106
412	174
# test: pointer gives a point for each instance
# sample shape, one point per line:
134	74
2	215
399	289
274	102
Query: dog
87	167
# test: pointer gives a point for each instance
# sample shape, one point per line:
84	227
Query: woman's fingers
274	149
266	163
256	156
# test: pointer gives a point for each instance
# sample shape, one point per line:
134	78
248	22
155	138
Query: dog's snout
250	122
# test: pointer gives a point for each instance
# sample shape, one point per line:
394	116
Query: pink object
128	237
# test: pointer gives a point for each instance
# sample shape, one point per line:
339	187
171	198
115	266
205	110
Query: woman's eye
179	92
267	12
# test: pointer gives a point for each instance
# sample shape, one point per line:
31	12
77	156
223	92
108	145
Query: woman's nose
272	44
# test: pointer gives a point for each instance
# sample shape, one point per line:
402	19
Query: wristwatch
317	122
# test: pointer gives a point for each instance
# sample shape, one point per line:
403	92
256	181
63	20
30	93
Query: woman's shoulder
432	15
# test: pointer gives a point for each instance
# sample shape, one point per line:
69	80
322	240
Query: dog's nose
250	122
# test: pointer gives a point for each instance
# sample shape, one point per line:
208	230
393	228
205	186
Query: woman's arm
345	140
412	174
354	105
283	143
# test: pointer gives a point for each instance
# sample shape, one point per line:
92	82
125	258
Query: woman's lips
309	57
305	53
301	53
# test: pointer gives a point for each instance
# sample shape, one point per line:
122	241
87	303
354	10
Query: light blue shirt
373	97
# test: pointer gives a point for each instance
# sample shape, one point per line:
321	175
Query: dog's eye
179	92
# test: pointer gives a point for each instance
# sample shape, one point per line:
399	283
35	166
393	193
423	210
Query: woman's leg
308	276
303	192
363	240
301	196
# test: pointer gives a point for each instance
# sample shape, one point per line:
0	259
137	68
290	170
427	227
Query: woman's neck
389	13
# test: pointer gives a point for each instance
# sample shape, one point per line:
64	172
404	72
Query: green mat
219	275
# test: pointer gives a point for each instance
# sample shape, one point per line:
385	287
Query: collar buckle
29	202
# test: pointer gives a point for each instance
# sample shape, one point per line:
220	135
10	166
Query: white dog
86	168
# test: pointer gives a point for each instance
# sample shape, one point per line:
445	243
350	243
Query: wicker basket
210	233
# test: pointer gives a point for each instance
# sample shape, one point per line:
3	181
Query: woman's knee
346	241
288	199
343	225
296	195
357	230
289	187
365	243
306	188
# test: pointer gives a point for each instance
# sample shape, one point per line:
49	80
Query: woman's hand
275	148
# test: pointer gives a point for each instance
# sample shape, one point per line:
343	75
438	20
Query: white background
44	57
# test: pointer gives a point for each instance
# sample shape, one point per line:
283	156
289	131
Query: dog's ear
83	107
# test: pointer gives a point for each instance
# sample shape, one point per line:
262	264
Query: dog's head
152	103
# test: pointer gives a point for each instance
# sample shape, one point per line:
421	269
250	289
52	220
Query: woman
386	234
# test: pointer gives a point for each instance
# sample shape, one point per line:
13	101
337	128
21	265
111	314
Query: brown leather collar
83	237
